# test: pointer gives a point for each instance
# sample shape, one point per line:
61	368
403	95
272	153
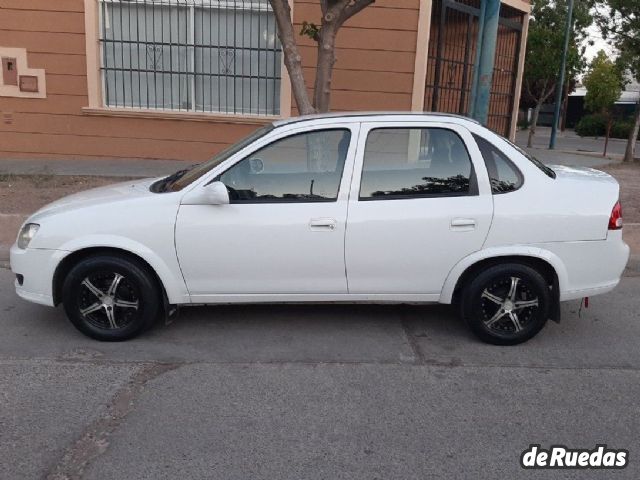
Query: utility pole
485	59
560	84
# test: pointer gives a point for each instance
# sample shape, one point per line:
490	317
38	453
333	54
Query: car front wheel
506	304
111	298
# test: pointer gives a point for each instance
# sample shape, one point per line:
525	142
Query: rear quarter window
503	174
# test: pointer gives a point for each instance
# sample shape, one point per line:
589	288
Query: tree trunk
334	14
534	121
292	57
324	70
630	151
606	138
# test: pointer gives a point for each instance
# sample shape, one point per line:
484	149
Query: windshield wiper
164	184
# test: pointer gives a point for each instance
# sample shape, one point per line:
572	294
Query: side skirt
314	298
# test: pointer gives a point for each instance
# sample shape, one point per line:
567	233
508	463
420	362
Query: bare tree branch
324	6
355	7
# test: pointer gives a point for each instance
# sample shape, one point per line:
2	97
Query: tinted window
186	177
415	162
547	171
302	168
503	174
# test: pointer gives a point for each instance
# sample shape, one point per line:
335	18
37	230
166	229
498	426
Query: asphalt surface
569	142
314	392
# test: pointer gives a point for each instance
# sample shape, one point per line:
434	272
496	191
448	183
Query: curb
633	266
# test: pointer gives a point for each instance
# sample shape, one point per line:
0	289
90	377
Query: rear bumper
592	267
37	267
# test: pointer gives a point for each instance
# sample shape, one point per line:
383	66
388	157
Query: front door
420	202
283	232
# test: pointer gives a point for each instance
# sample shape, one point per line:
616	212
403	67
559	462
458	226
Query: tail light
615	220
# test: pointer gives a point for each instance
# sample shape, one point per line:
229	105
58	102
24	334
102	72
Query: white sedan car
405	208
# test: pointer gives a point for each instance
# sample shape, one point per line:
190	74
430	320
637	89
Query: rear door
420	202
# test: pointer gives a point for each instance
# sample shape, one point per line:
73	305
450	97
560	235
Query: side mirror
215	193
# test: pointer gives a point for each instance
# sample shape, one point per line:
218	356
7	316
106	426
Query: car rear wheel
111	298
506	304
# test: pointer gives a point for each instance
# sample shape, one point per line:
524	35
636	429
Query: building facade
182	79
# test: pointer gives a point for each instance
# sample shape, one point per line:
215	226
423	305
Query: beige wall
376	58
52	31
375	55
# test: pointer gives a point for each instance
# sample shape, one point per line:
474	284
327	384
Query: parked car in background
380	207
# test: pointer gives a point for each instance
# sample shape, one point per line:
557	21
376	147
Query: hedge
595	125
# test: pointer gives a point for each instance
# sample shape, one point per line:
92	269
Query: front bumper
37	267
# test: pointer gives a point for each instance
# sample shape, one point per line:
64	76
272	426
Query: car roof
372	116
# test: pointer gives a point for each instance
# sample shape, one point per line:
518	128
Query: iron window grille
191	55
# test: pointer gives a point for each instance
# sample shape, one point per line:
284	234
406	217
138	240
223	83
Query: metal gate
452	54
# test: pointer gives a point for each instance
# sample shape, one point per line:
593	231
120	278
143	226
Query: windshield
180	179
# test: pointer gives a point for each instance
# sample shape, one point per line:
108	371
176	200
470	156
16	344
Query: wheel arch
545	262
76	256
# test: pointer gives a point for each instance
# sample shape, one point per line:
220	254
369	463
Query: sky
598	43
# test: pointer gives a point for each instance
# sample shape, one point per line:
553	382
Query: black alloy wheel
506	304
111	298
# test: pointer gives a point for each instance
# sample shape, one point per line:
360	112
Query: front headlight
26	234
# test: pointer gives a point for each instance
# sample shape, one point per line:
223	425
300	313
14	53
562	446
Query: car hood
118	192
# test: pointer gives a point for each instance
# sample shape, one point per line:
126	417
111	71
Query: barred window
191	55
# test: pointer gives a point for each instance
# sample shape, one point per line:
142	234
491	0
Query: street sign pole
563	64
485	59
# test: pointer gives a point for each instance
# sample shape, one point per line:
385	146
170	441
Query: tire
111	298
499	315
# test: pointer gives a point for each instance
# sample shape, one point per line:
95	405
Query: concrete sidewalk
110	167
570	150
569	143
107	167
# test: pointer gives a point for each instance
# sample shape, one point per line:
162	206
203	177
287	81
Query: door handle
463	224
322	224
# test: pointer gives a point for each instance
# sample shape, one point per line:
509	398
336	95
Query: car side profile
367	207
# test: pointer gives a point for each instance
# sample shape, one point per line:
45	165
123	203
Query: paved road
313	392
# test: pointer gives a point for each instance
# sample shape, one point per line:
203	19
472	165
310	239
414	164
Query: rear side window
503	174
415	162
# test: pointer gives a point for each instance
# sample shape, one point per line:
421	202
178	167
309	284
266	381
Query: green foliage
310	30
621	129
593	125
604	83
545	43
619	21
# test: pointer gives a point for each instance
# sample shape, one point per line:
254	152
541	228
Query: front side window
196	55
415	162
306	167
503	174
